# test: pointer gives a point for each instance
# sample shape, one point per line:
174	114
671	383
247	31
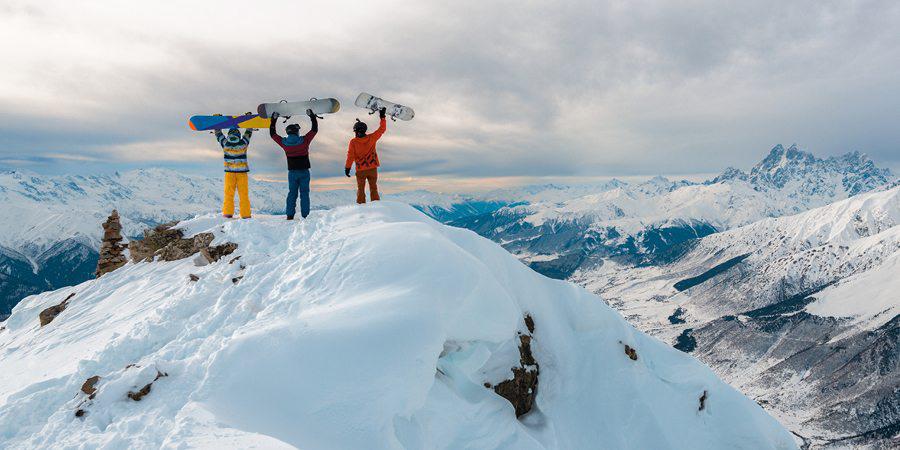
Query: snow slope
805	320
363	327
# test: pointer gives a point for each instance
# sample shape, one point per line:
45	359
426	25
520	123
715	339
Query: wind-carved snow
330	333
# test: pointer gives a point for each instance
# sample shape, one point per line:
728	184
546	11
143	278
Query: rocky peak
730	173
781	166
852	173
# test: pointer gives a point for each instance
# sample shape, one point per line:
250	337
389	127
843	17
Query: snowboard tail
204	123
372	103
285	108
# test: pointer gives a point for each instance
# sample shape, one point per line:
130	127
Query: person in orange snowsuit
362	152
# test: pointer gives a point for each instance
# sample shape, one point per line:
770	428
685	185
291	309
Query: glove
275	115
381	112
309	113
347	171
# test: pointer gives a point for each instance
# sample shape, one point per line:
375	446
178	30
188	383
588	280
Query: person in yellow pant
236	180
235	147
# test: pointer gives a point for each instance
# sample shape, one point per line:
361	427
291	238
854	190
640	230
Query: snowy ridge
56	219
364	327
808	250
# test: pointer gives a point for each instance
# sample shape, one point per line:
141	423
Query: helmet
293	129
234	135
360	126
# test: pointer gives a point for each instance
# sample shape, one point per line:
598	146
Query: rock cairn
111	256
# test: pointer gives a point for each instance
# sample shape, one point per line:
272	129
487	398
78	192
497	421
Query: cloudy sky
505	92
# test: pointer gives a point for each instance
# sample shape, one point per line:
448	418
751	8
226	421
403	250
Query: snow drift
361	327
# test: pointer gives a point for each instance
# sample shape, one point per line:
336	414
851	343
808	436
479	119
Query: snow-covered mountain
644	223
799	312
364	327
50	234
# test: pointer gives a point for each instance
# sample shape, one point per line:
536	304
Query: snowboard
286	108
203	123
372	103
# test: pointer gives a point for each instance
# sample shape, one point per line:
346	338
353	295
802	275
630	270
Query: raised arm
219	137
272	132
247	135
381	127
315	122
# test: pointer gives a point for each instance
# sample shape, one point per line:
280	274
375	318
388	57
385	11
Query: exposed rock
169	244
111	256
235	280
521	390
702	401
138	395
215	253
80	413
631	352
89	386
46	316
193	277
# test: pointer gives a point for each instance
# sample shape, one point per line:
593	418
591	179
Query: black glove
381	112
347	171
310	113
275	115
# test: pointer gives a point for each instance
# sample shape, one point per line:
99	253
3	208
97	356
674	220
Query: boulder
46	316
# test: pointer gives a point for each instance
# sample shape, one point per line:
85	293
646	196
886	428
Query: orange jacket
362	150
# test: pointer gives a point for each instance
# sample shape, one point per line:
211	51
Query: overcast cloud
501	89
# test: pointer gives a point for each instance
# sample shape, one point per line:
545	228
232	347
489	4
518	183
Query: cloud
501	89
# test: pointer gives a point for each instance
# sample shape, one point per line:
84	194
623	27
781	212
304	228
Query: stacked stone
111	257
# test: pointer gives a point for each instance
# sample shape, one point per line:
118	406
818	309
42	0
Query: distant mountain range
643	223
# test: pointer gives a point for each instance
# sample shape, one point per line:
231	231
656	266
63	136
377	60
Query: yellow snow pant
236	180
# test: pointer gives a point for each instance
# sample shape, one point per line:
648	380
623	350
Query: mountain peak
852	172
405	332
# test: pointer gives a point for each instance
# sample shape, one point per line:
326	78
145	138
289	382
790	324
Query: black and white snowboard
286	108
372	103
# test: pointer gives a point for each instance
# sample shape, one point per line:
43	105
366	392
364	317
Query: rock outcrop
46	316
521	390
90	386
139	394
111	256
169	244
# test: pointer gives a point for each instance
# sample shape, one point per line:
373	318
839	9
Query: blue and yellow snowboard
203	123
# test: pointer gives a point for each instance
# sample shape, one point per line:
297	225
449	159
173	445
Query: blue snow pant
298	180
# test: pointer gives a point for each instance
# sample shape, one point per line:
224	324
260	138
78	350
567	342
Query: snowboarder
235	148
362	152
296	148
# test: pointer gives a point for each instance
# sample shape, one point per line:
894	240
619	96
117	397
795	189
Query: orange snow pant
236	180
370	175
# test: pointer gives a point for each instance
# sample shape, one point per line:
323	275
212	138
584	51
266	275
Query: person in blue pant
296	148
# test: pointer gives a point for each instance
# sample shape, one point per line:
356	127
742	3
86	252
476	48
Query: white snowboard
372	103
286	108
